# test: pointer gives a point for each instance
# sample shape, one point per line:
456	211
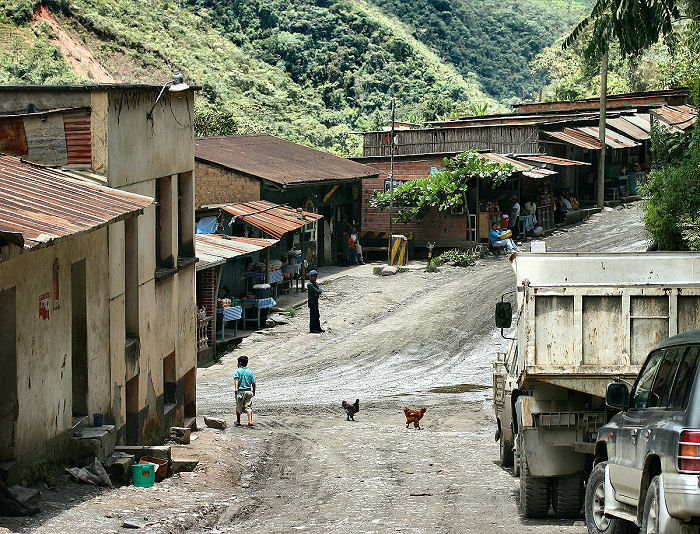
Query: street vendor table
257	305
232	313
294	269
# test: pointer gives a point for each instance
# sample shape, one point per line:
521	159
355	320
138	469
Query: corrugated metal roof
641	120
578	138
78	138
215	249
627	128
270	158
537	172
503	160
271	218
612	139
551	160
44	205
681	117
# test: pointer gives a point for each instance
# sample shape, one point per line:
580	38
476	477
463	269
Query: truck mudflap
551	453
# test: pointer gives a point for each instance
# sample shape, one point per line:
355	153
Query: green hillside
308	70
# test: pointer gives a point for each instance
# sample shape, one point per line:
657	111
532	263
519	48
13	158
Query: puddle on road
459	388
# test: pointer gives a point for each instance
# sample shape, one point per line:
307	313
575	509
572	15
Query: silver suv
647	469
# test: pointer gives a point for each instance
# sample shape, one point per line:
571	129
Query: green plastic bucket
144	475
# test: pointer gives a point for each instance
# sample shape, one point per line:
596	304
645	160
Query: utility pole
391	180
601	127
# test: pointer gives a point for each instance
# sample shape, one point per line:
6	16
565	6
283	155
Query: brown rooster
413	416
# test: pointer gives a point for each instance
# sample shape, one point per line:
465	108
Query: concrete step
93	442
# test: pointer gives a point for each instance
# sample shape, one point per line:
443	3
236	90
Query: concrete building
57	272
137	139
245	168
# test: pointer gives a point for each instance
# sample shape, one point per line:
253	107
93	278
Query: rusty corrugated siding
44	205
277	160
13	140
215	249
271	218
551	160
78	138
578	138
681	117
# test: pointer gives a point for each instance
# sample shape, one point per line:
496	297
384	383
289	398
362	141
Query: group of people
349	243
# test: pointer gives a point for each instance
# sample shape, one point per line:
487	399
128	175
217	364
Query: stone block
213	422
180	435
119	465
27	496
390	270
93	442
377	270
183	465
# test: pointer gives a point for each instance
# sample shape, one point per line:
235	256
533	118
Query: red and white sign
44	305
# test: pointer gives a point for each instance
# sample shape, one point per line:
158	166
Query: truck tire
534	492
506	452
594	505
567	496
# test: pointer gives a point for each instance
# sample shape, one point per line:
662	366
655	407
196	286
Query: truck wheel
506	452
567	496
534	492
594	506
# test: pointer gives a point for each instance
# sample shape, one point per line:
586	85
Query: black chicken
351	409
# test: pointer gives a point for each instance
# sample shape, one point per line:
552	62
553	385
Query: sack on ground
538	231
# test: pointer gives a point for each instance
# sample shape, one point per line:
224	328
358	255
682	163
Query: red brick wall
435	225
206	282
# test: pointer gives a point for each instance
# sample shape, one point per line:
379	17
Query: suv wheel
594	506
567	496
653	510
534	492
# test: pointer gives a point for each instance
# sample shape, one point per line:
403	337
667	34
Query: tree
445	190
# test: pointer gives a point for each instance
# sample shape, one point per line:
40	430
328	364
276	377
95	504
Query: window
646	381
165	230
185	215
310	228
661	390
131	276
684	379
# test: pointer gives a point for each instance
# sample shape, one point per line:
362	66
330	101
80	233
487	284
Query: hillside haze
307	70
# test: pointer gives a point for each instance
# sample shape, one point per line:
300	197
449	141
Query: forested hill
309	70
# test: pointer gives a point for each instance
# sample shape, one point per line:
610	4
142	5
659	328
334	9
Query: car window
661	390
646	381
684	379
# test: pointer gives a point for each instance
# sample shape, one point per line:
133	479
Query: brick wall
206	282
434	226
215	185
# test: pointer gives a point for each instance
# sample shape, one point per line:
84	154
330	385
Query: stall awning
216	249
271	218
612	139
550	160
578	138
528	170
629	129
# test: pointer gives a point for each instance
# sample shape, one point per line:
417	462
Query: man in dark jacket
314	292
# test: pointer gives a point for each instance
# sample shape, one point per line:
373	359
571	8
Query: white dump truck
582	321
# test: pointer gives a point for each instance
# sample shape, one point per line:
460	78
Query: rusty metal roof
271	218
641	120
551	160
578	138
277	160
612	139
628	128
528	170
644	98
215	249
681	117
42	205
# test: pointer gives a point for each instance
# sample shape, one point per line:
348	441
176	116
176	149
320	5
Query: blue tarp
207	225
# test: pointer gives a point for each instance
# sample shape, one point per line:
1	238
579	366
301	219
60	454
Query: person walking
314	292
244	387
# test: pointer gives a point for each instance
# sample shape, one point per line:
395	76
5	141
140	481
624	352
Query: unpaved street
415	339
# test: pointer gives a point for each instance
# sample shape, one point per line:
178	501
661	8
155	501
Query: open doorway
79	365
8	377
132	411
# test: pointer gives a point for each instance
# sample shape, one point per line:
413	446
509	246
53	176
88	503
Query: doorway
79	365
132	411
8	378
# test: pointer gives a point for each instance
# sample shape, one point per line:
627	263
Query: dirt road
415	339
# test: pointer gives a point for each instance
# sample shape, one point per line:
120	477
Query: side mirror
617	396
504	315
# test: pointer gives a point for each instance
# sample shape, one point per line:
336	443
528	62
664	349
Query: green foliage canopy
445	190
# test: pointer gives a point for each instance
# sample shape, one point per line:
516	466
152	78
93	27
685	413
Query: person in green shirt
244	388
314	315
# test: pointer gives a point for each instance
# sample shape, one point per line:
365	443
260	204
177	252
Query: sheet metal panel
78	138
503	160
627	128
271	218
612	139
551	160
215	249
578	138
44	205
641	120
681	117
13	139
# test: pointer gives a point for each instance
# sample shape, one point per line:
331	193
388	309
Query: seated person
495	239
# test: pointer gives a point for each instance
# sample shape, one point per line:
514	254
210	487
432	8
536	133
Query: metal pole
601	128
391	179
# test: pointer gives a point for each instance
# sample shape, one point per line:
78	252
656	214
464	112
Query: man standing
314	315
244	387
495	238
